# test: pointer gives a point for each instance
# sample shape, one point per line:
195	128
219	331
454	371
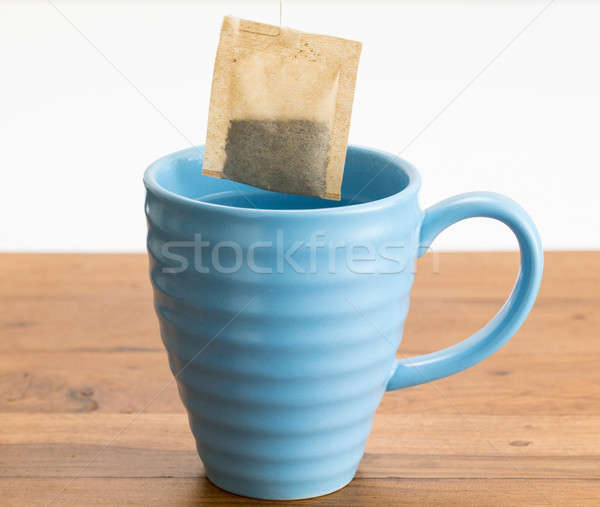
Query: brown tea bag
280	108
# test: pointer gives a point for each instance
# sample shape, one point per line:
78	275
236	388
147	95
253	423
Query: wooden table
90	413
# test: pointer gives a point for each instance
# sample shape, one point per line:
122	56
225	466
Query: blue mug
281	314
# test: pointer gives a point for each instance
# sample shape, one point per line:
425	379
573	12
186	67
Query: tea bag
280	108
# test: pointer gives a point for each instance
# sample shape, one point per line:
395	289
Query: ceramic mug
283	343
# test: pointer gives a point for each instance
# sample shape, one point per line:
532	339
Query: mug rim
412	187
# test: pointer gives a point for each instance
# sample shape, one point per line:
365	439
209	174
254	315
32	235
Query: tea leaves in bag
280	108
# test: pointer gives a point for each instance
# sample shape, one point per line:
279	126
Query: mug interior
369	175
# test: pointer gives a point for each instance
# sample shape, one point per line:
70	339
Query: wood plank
103	302
566	274
361	492
134	381
403	446
571	275
411	433
77	302
129	325
80	357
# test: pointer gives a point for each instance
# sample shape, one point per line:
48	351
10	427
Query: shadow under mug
282	343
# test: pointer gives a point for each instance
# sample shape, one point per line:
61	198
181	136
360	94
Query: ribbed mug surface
281	359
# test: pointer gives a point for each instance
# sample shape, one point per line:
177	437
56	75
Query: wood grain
90	414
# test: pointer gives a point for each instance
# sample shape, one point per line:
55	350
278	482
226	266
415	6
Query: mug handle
420	369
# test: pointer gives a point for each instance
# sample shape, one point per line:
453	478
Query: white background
76	135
